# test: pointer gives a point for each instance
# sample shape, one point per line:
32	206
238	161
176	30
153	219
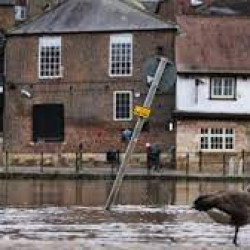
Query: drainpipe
4	95
196	91
197	83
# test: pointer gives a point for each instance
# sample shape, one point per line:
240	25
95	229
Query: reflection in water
95	193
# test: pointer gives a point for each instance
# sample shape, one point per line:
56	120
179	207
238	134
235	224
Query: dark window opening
2	40
1	67
146	127
1	109
48	123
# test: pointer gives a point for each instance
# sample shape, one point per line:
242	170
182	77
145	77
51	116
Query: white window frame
223	85
217	135
21	12
121	39
48	41
130	105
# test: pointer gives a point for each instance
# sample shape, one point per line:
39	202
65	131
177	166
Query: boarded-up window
48	122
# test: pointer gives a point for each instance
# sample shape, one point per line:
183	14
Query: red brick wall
86	90
6	17
171	8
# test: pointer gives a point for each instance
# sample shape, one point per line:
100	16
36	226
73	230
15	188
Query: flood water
34	213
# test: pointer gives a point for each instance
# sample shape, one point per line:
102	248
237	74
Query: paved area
88	245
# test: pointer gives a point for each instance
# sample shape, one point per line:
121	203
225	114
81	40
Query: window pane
121	55
204	142
223	87
123	105
50	56
217	138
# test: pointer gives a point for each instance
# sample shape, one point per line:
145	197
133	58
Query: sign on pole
143	113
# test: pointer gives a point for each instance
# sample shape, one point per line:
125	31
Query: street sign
143	112
168	79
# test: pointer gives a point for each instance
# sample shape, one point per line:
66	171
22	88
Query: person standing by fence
153	157
149	156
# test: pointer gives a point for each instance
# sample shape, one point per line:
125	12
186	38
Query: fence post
41	163
77	163
200	161
243	161
6	161
224	164
187	164
80	161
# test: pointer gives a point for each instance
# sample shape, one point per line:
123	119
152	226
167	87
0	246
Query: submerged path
107	173
126	227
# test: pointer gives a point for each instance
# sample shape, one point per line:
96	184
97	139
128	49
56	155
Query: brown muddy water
147	215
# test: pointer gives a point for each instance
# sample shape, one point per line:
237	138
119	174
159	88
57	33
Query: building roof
7	2
213	44
136	3
228	7
93	16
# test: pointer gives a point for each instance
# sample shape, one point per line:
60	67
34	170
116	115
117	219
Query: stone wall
188	145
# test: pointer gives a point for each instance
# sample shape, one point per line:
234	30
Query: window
224	88
120	55
50	57
20	13
217	138
196	3
48	123
122	105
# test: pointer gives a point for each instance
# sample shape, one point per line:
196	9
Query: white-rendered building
213	85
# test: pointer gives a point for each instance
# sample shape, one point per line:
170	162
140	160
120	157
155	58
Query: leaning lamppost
163	65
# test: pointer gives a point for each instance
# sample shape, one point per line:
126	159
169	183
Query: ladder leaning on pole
137	130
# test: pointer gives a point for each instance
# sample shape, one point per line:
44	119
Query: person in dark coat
149	156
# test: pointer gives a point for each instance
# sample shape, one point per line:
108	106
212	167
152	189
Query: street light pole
138	127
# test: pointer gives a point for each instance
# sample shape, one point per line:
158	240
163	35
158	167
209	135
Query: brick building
26	9
74	75
169	9
6	21
6	14
227	8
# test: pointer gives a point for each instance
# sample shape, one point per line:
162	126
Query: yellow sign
142	111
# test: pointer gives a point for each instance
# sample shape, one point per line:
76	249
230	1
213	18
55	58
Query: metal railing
223	163
186	163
